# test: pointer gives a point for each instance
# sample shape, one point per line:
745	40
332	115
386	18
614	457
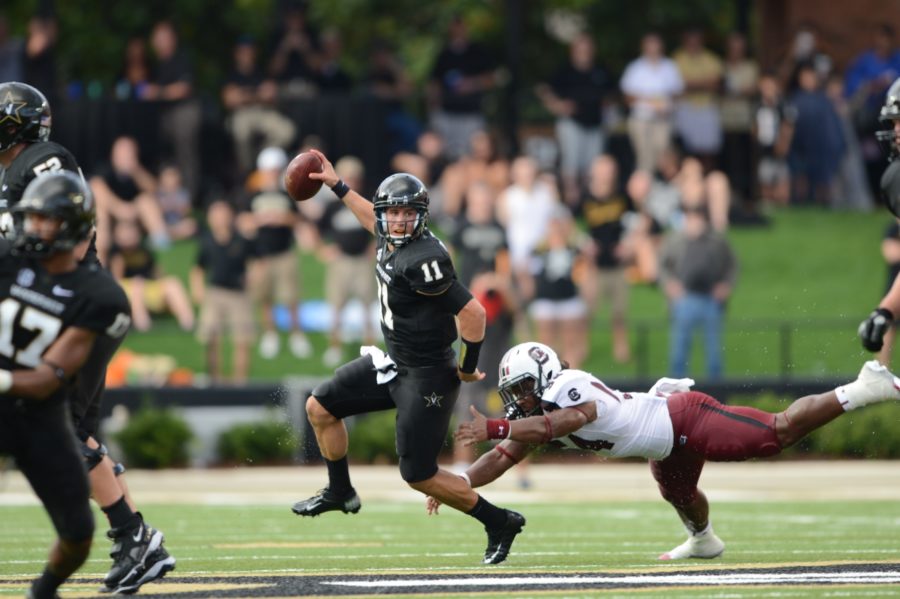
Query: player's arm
362	208
59	363
491	465
533	430
873	329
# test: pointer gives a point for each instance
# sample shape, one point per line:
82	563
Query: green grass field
259	550
811	276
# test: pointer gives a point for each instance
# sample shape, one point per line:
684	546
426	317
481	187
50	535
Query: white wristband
462	475
6	381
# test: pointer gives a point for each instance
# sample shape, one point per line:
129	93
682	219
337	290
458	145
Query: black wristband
468	358
340	189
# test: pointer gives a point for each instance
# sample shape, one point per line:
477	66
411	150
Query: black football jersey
37	307
36	158
418	329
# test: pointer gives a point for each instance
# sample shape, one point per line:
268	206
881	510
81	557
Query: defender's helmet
890	112
62	195
401	190
24	115
525	372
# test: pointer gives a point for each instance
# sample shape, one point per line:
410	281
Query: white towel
384	365
666	386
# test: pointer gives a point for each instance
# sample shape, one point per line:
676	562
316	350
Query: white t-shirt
644	80
627	424
528	212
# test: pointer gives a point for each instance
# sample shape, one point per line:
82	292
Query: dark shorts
87	389
424	399
42	442
705	429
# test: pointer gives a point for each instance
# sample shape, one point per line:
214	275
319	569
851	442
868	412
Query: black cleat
325	501
138	557
500	540
155	566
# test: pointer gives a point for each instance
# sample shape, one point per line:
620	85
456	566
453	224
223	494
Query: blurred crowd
637	180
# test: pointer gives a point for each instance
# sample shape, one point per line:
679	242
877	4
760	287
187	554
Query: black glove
872	329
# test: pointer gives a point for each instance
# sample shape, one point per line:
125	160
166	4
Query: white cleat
874	384
704	546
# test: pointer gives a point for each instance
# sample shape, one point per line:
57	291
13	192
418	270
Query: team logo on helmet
12	109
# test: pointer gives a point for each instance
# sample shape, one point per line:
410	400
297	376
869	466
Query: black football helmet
62	195
24	115
401	190
890	112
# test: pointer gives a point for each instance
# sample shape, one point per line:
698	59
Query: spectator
461	75
388	80
642	236
428	164
218	286
331	76
253	121
135	76
697	120
818	143
274	217
556	306
347	250
175	203
604	210
773	128
850	187
698	271
890	250
479	241
650	84
125	190
805	50
150	292
711	192
11	53
575	96
180	112
295	54
483	162
40	55
740	78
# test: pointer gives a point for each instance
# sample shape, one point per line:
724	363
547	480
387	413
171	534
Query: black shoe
130	550
326	501
155	566
500	540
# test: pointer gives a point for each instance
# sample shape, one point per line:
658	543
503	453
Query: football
296	177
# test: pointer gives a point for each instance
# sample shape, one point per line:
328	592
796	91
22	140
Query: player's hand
432	505
470	377
327	176
873	329
470	433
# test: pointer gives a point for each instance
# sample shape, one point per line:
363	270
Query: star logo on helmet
433	400
11	109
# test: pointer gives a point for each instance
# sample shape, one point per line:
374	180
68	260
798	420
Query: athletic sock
488	514
46	585
339	476
120	515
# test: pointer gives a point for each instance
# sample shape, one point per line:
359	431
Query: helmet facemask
889	115
518	392
383	226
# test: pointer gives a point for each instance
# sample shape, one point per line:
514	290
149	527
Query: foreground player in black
54	309
420	300
26	153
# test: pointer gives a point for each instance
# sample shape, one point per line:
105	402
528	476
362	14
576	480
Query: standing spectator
483	162
175	204
650	84
805	50
428	163
253	121
773	129
388	80
295	54
479	241
575	96
698	271
850	187
556	305
180	113
11	53
462	73
125	190
135	75
740	79
133	264
347	251
40	55
604	210
818	143
218	286
274	274
331	76
697	120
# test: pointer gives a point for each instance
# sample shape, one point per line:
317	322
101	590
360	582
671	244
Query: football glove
872	329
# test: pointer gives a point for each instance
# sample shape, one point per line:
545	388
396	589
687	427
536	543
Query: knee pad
93	457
